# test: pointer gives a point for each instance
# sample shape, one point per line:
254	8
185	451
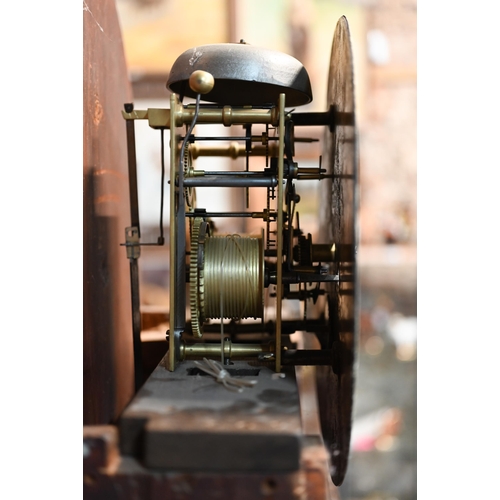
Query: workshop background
384	32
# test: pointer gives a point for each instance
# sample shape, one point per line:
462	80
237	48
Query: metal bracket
132	242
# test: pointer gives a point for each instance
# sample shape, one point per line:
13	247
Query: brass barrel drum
234	277
226	276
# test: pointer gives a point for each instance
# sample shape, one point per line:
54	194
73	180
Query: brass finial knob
201	82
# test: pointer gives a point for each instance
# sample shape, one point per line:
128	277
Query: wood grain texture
107	327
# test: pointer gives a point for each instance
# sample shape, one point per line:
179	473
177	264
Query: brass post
231	350
279	233
174	138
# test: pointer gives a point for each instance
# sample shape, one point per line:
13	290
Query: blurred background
383	32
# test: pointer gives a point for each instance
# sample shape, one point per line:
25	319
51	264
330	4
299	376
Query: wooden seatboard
190	422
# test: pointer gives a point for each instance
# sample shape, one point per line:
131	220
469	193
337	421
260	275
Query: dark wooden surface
168	402
107	327
109	476
185	421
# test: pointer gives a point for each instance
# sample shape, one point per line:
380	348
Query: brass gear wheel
189	192
196	279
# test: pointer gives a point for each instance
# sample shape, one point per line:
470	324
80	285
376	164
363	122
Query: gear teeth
196	282
189	193
302	252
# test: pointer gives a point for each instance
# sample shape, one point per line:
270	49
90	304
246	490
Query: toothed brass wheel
189	192
196	279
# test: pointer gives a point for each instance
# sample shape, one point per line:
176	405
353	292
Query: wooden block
183	420
100	447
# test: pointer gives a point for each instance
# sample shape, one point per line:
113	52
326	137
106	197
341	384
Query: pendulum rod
133	235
